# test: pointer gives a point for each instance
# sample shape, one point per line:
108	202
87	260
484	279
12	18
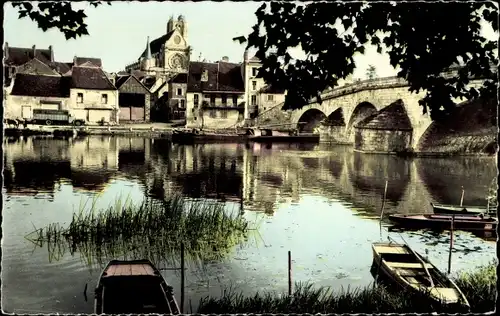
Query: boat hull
133	286
443	222
285	139
394	263
457	209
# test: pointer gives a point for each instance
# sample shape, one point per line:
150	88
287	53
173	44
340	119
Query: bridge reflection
261	176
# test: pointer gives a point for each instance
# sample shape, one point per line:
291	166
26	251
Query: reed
153	229
479	287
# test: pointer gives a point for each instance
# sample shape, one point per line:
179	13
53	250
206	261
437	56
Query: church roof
222	76
155	46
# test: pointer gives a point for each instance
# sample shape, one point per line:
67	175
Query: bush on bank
479	287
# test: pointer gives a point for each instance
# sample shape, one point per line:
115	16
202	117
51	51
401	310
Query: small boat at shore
267	135
405	268
457	209
133	287
443	221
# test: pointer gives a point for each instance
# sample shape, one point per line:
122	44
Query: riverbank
479	287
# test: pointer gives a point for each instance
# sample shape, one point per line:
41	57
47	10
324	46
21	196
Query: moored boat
457	209
134	286
443	221
407	269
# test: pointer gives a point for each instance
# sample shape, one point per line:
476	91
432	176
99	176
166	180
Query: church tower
147	61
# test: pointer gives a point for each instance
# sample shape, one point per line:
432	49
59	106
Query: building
93	97
134	99
31	92
215	95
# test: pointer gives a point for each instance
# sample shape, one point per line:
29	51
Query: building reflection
259	175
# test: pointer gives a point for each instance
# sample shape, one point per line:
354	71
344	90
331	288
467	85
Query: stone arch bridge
344	107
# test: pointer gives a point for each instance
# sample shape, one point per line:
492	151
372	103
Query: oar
421	261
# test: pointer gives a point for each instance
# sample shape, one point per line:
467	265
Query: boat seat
409	265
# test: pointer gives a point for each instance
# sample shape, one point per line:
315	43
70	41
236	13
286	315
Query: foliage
152	230
418	37
479	288
371	72
56	14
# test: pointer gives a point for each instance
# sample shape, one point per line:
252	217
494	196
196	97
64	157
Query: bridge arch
336	118
360	112
310	119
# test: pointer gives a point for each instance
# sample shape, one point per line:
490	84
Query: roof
120	80
60	67
90	78
392	117
82	60
149	82
155	46
19	56
179	78
41	86
222	76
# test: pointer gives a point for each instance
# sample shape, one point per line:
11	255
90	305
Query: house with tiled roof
32	91
215	94
18	56
93	97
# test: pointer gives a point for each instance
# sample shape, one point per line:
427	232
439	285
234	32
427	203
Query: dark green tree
56	14
423	39
371	72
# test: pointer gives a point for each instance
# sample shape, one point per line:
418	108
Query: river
320	202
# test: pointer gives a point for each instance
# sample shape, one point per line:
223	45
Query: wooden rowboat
410	271
457	209
443	221
135	286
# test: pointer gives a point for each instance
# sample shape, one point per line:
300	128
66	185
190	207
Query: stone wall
333	134
382	141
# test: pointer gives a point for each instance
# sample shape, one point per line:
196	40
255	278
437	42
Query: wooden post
383	201
451	242
462	198
289	272
182	277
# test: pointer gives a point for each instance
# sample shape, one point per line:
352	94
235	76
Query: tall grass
153	229
479	287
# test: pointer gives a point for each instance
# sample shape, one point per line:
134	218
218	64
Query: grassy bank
479	287
151	230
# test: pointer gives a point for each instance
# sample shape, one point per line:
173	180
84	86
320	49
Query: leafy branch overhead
422	39
57	14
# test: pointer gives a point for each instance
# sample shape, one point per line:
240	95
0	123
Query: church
219	94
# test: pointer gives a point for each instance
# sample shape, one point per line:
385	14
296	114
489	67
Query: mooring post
289	272
462	198
451	242
182	277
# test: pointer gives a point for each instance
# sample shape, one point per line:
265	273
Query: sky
118	33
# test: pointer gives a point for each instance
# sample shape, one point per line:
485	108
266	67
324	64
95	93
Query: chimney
6	50
225	59
51	53
74	61
245	55
34	51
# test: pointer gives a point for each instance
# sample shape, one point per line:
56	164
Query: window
254	85
212	99
224	99
235	100
79	98
254	71
223	114
196	100
254	100
270	97
179	91
212	113
104	99
183	104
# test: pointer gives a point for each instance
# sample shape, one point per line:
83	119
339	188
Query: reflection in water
311	199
